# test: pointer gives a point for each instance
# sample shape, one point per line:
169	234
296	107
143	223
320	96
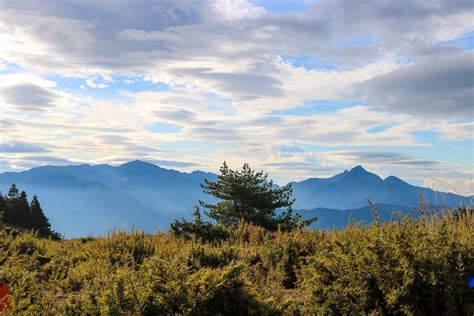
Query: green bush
406	267
417	268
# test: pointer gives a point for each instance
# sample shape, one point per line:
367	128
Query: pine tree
10	203
13	193
249	196
22	213
39	221
199	229
19	213
3	208
12	214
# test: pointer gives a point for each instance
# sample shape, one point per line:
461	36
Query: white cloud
457	131
236	9
28	93
91	82
227	68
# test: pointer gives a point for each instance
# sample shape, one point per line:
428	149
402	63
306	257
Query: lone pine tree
249	196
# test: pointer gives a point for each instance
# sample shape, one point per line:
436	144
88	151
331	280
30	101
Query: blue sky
298	88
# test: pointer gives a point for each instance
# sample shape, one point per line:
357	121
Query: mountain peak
358	169
137	163
360	174
393	179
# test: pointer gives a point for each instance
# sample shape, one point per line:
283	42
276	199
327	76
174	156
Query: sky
299	89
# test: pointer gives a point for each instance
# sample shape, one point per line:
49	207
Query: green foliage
249	196
38	220
409	267
203	231
3	208
244	196
15	211
405	267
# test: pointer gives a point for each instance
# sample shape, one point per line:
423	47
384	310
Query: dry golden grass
403	267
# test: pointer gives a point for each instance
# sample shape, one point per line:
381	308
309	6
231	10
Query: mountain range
86	199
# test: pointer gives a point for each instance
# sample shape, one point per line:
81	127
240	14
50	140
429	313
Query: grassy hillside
403	267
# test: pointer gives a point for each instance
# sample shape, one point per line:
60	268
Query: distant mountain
329	219
350	190
90	199
87	199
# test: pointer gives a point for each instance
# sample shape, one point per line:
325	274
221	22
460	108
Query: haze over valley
81	200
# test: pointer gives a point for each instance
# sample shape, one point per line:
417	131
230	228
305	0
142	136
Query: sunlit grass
406	267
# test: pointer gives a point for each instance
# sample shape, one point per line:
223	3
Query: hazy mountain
90	199
85	199
350	190
333	218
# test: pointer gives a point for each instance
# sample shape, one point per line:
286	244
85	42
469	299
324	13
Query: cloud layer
193	83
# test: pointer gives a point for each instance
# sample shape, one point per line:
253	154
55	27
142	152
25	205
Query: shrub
405	267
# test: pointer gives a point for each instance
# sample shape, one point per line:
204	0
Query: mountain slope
76	207
351	189
90	199
333	218
84	199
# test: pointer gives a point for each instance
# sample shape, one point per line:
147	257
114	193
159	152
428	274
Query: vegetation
247	196
404	267
15	211
254	258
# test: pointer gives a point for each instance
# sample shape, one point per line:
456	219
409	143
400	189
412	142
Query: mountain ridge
357	185
149	197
